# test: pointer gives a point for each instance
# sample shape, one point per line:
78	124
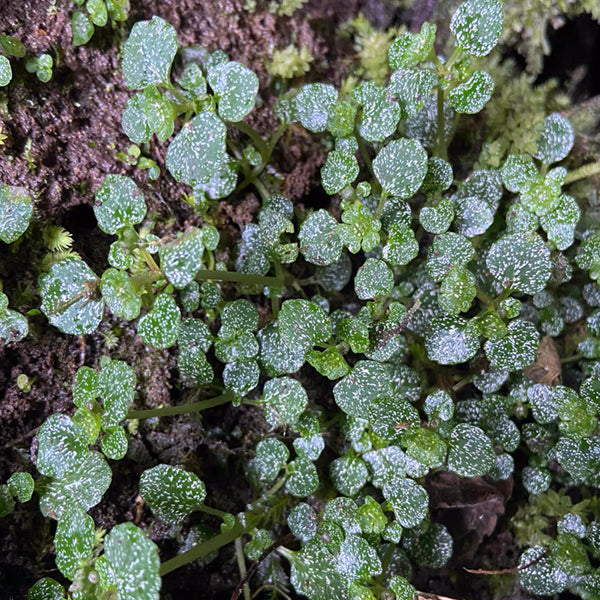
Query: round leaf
451	340
356	391
119	203
285	400
515	351
477	25
15	212
119	295
319	239
5	71
235	88
340	170
74	540
471	452
160	326
400	167
181	259
472	95
314	103
271	457
555	140
303	479
373	279
409	501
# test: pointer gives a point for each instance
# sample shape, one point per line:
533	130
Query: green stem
200	550
571	359
180	409
442	151
260	187
212	511
239	555
142	279
382	199
260	144
246	278
583	172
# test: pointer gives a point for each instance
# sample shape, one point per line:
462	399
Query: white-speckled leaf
520	261
277	356
46	589
447	251
241	376
477	25
119	203
348	474
119	295
473	216
471	452
457	291
451	340
303	479
114	444
319	238
160	326
380	115
285	400
401	246
5	71
411	88
21	485
235	88
314	104
439	178
83	486
198	150
146	113
340	170
472	95
555	140
271	456
515	351
148	53
171	492
373	279
561	222
74	540
239	316
134	563
409	501
542	577
517	170
357	560
302	522
116	386
13	326
411	48
303	323
356	391
181	259
15	212
400	167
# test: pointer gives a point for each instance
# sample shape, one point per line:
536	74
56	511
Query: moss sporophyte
418	309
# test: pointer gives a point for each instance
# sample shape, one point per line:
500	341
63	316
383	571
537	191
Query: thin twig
506	571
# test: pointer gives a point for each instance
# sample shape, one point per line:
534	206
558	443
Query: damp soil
61	139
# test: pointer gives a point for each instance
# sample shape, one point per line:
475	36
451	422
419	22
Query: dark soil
62	138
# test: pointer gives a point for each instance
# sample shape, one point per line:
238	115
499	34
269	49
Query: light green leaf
271	456
21	486
302	324
160	326
424	446
181	259
373	279
198	150
402	588
15	212
239	316
451	340
471	452
555	140
119	203
314	104
82	28
341	118
400	167
359	228
401	246
357	560
148	53
13	326
348	474
319	238
116	385
520	261
472	95
515	351
412	48
83	486
119	295
477	25
46	589
74	540
303	478
114	444
354	393
517	170
457	291
5	71
561	222
134	563
409	501
171	492
147	113
235	88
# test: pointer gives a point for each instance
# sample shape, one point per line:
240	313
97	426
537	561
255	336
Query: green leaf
387	465
412	48
238	316
11	46
241	376
431	547
518	169
402	588
46	589
285	400
472	95
471	452
133	562
357	560
451	340
83	486
276	355
97	11
477	25
329	363
302	522
535	480
314	104
302	324
21	486
359	228
520	261
198	150
561	222
235	88
147	113
542	576
74	540
7	503
379	116
400	167
148	53
389	414
401	246
85	386
171	492
13	326
424	125
303	478
555	140
160	326
119	295
271	456
424	446
319	238
114	444
340	170
15	212
119	203
348	474
373	279
355	332
580	458
116	384
196	332
473	216
181	259
448	251
411	88
82	28
409	501
354	393
457	291
515	351
5	71
439	405
341	118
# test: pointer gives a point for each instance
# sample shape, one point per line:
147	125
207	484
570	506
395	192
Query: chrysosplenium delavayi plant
457	281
